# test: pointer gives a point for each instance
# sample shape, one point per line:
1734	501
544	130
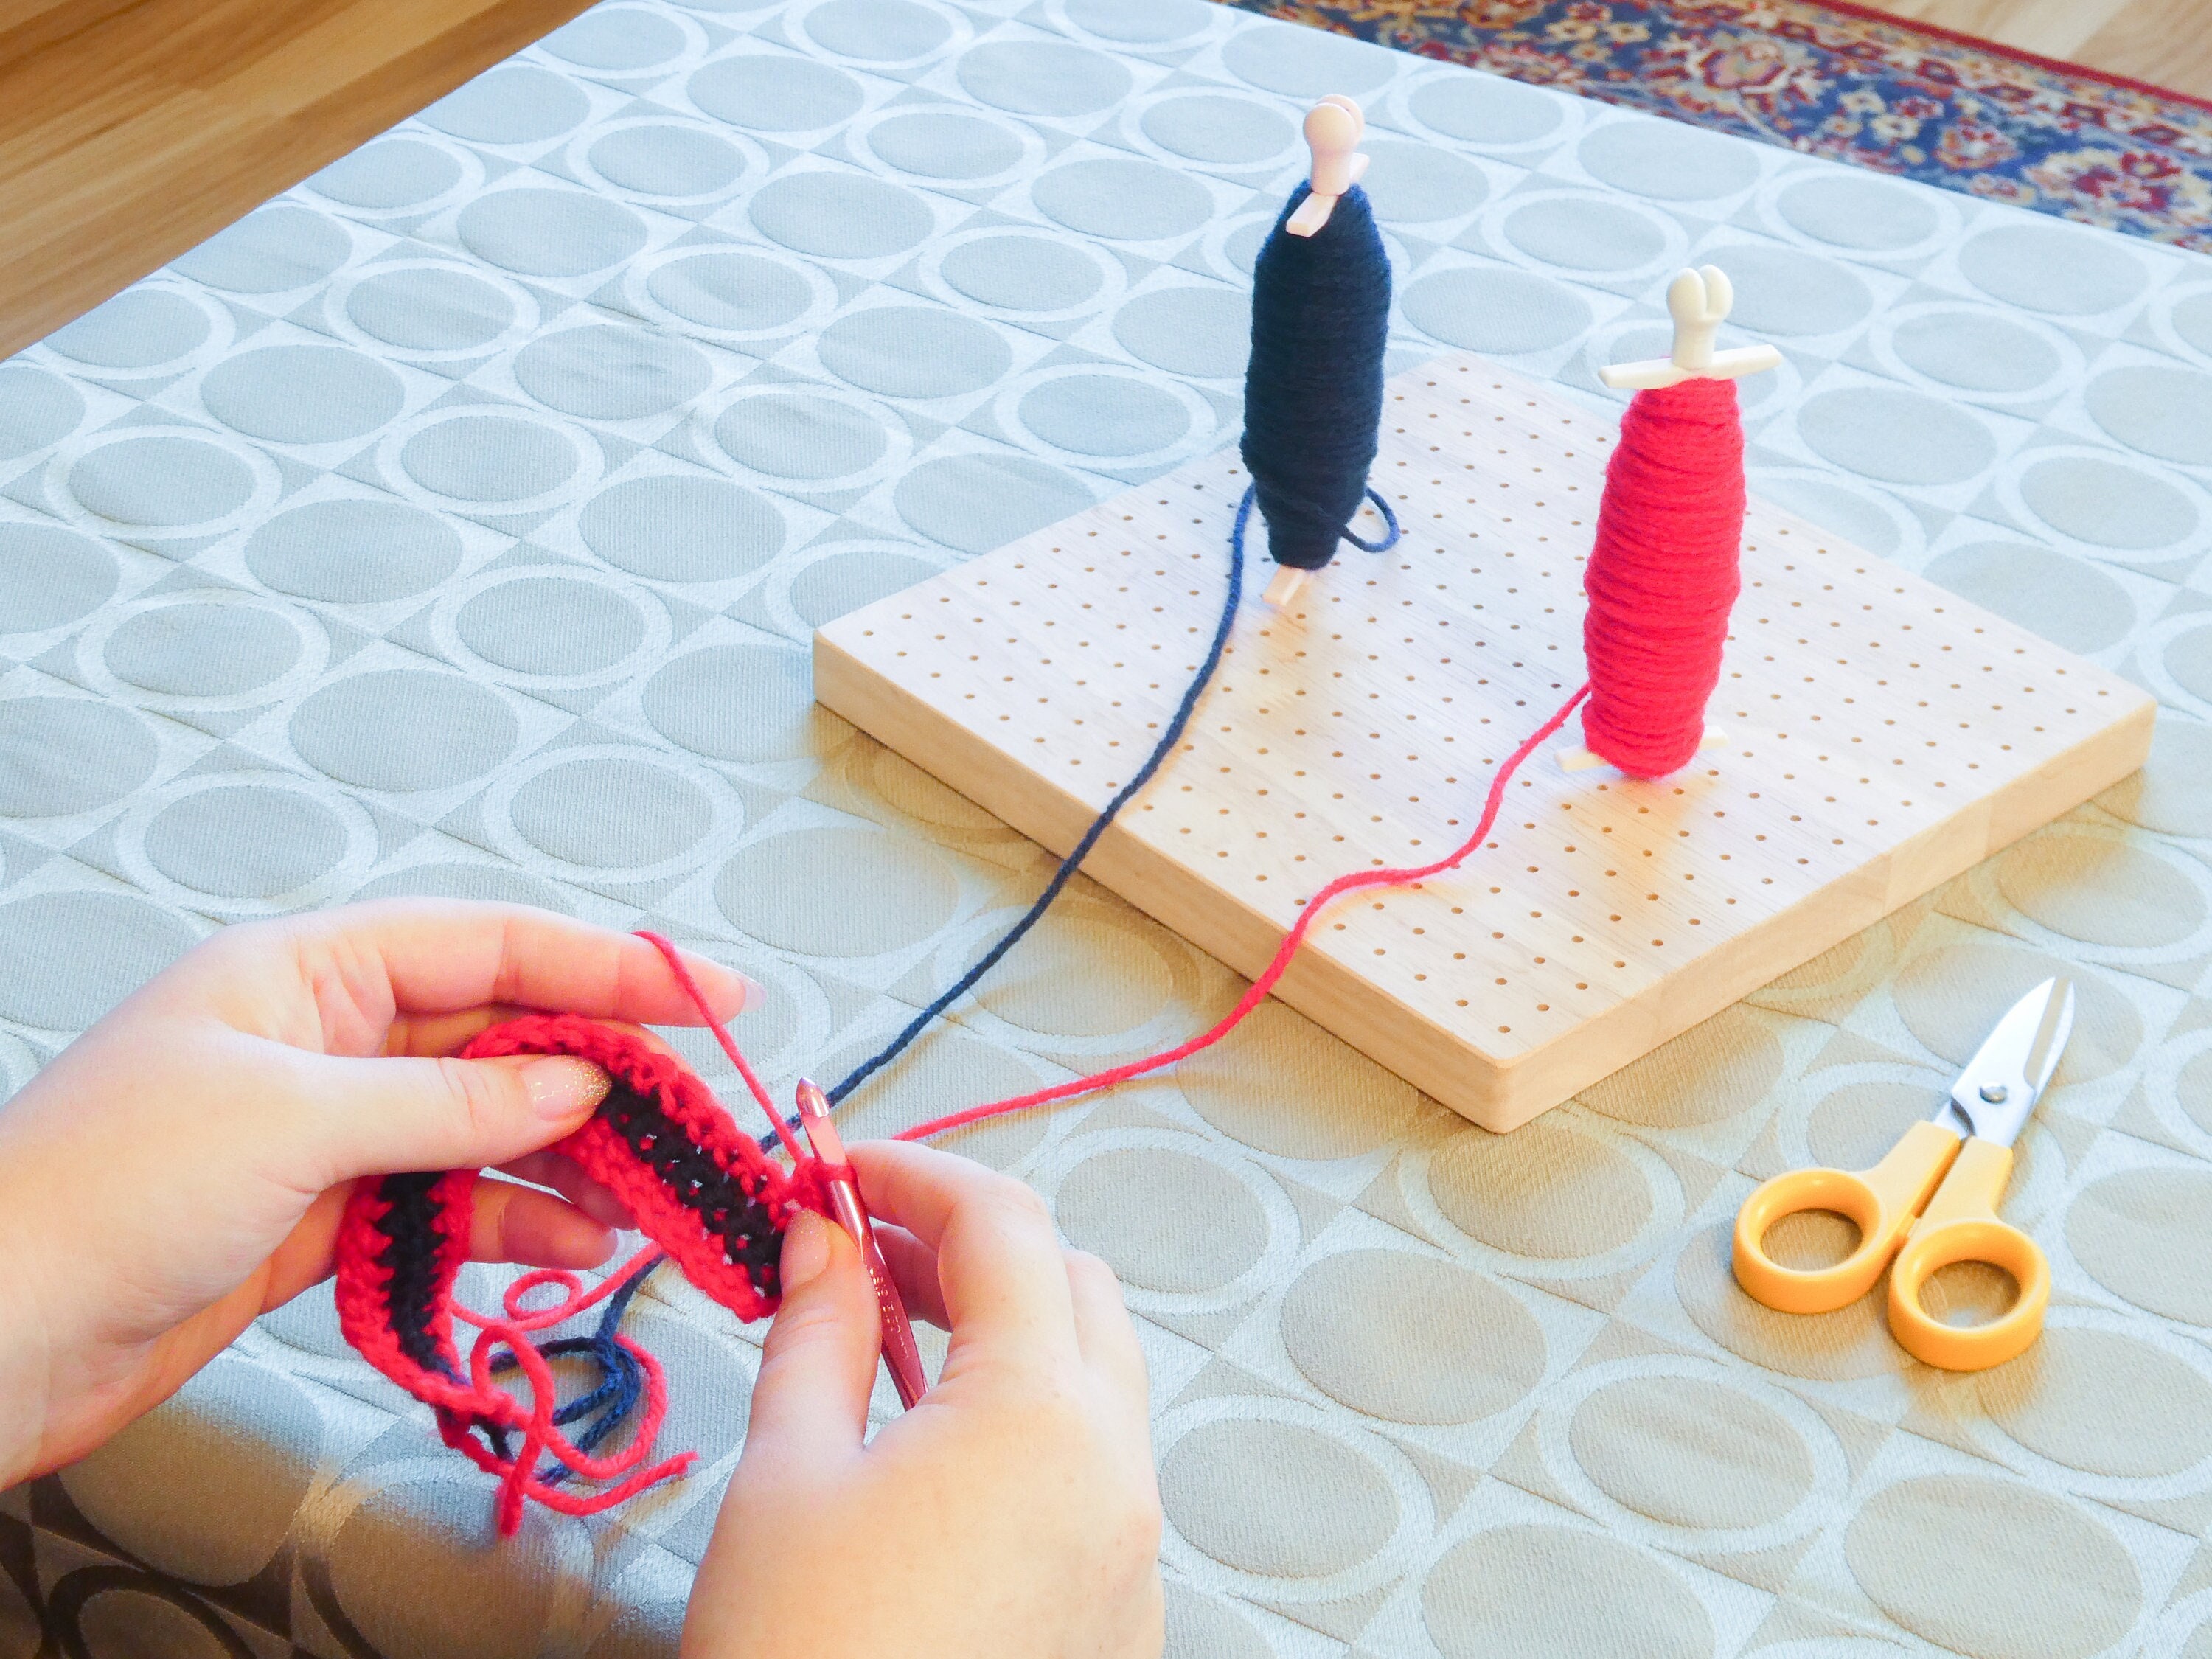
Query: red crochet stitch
701	1190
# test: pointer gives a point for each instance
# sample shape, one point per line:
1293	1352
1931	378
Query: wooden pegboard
1884	735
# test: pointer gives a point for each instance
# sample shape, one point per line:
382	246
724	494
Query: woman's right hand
1014	1511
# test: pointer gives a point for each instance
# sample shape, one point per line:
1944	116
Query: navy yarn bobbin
1313	390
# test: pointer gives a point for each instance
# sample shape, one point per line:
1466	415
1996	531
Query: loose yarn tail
1663	575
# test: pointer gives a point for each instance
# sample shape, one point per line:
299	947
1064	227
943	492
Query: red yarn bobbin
1663	575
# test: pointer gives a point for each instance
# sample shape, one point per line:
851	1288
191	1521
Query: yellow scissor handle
1960	1225
1882	1201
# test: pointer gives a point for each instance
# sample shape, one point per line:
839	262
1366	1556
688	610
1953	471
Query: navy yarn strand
1389	520
1312	389
1099	825
621	1381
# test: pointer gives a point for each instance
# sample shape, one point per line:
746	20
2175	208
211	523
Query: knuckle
474	1092
1020	1200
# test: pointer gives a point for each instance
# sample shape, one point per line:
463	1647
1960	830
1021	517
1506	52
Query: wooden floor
2168	43
132	130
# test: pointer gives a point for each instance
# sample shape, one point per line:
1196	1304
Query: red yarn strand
1663	576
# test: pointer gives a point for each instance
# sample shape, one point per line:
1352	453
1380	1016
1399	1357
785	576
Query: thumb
810	1402
376	1117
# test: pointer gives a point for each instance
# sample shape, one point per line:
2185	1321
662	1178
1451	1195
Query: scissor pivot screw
1995	1093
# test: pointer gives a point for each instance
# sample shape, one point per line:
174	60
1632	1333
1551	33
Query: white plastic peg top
1698	300
1333	129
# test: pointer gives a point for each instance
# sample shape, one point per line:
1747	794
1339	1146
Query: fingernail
562	1086
806	1250
749	990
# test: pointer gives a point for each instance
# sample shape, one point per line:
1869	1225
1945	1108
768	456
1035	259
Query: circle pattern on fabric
63	756
1345	1103
2166	412
663	159
139	328
301	394
511	104
844	582
796	435
1544	1592
605	372
2146	1234
796	891
1201	332
549	233
1306	62
1975	352
404	729
773	92
1416	184
611	813
1482	308
1484	110
734	702
387	173
741	293
1042	78
1410	1340
1585	235
1992	1569
1858	213
2067	600
2106	504
160	482
1165	1221
1223	131
551	625
1141	21
36	408
877	31
914	351
1782	291
1020	272
1119	961
1896	435
49	576
430	309
2097	1400
66	958
977	502
938	145
2062	272
488	458
1126	201
353	552
2099	890
1107	416
682	528
189	650
620	39
1200	1627
1668	161
841	215
244	841
1240	1489
1542	1191
273	250
1690	1453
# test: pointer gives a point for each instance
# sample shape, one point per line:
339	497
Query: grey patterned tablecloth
456	524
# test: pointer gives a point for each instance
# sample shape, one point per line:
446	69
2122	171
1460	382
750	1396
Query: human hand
1013	1510
181	1168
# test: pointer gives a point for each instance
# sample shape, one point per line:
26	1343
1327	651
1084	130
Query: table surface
457	523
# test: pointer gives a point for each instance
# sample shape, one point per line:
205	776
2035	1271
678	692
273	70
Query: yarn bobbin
1658	616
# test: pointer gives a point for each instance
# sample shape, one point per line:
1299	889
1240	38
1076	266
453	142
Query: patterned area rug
1845	82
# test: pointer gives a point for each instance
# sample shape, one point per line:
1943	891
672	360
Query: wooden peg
1698	300
1581	759
1285	587
1333	128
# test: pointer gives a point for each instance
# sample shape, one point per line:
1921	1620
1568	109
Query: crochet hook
901	1357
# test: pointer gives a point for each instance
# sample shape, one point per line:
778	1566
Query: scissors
1931	1202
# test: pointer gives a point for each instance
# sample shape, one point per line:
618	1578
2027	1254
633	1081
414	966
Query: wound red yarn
1663	576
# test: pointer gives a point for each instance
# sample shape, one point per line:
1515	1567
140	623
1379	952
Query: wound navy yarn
1313	390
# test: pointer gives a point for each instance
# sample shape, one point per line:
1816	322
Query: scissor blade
2010	1071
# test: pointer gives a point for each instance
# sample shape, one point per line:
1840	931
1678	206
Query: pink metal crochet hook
900	1355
